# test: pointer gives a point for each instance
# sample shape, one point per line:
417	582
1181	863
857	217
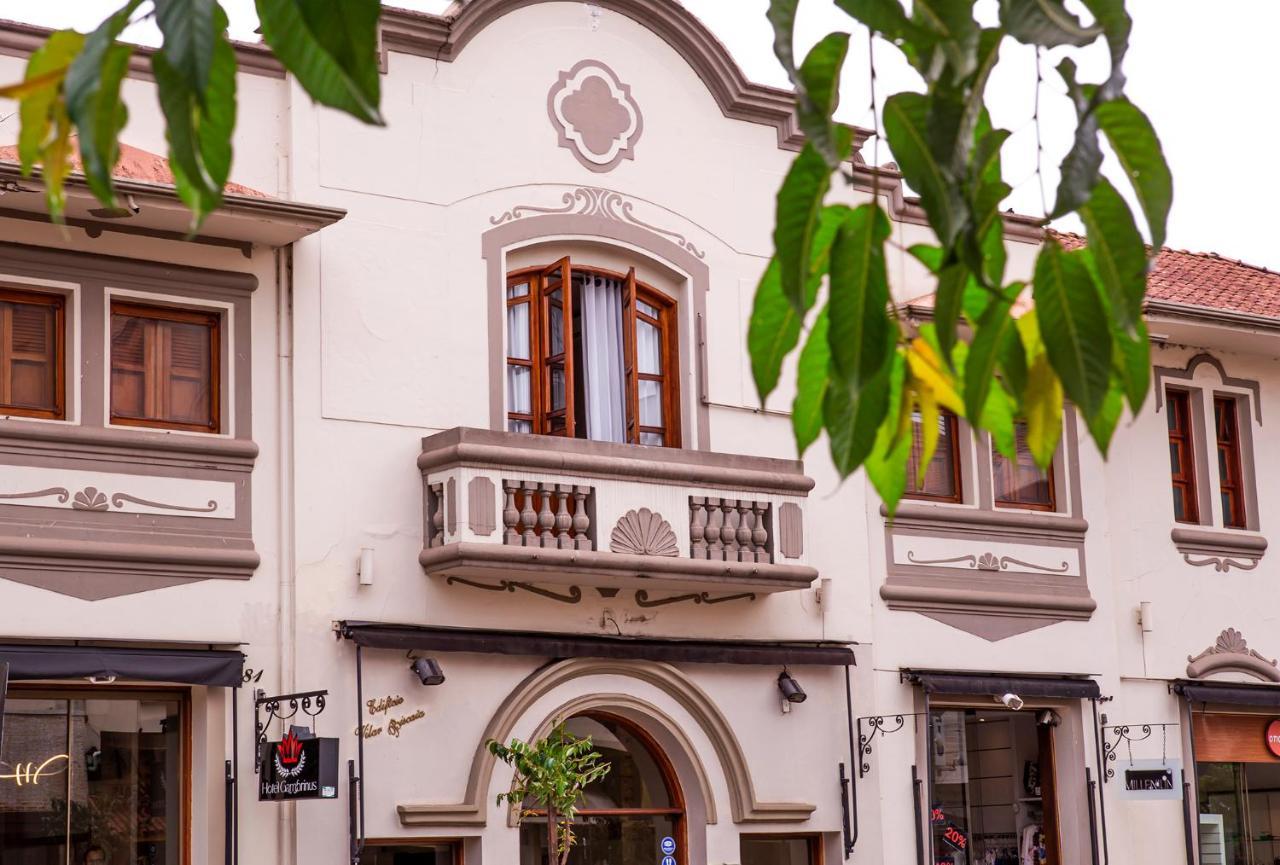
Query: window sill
1224	549
992	573
125	445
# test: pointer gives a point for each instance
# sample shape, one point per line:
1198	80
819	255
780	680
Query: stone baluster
510	514
729	530
715	520
746	534
563	521
697	527
546	519
528	516
437	515
759	534
581	519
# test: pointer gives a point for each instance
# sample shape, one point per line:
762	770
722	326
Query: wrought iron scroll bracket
1115	735
281	708
871	726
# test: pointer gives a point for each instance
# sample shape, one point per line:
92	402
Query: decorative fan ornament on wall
595	116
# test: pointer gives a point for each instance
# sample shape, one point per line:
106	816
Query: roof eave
242	219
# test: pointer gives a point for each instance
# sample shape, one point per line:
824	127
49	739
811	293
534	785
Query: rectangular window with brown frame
1019	483
165	367
32	361
1182	466
1230	477
942	474
591	354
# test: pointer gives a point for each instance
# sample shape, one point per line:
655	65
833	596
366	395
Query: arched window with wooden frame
591	353
624	816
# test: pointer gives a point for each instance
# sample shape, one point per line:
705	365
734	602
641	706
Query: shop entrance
994	798
1238	785
625	816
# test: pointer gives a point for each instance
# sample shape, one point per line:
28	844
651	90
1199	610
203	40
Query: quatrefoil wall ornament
595	116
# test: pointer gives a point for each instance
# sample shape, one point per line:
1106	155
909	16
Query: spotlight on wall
790	688
365	569
428	671
1010	701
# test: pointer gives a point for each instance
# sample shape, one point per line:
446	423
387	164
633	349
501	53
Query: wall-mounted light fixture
791	691
428	671
365	570
1146	618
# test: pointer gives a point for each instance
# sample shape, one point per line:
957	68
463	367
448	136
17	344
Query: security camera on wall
1011	701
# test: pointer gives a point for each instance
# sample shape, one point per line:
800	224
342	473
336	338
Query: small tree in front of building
552	774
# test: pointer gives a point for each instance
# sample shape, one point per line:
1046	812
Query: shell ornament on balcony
643	533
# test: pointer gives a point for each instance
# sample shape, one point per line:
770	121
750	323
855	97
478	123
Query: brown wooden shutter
556	412
631	384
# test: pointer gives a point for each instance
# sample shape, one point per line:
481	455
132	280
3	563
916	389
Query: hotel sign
294	769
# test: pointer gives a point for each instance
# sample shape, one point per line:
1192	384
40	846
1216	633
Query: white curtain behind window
600	303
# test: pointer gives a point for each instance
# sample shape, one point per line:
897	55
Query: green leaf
1118	253
331	48
989	338
798	208
852	421
1116	23
948	300
819	96
1133	364
1073	325
886	465
782	15
1102	425
199	126
885	17
1137	147
860	337
1045	22
1013	364
189	32
775	324
93	100
1082	165
811	385
38	107
905	122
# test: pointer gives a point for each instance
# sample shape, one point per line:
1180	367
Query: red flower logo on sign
290	758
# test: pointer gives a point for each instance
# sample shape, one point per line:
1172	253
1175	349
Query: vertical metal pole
1102	798
360	746
1194	784
1188	835
235	776
844	809
4	689
1091	786
352	792
851	838
228	786
916	784
928	756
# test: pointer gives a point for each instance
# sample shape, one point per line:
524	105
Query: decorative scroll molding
62	494
1230	653
1221	564
643	533
594	115
642	598
118	500
1130	735
573	593
595	201
989	562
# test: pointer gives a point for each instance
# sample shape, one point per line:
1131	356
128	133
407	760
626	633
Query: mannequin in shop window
94	854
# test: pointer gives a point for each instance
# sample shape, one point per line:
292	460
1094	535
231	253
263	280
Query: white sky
1204	72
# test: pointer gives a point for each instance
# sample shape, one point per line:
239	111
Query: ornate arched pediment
1230	653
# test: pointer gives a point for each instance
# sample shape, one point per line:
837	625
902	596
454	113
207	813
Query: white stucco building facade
473	388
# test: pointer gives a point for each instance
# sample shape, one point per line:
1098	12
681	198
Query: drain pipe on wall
287	600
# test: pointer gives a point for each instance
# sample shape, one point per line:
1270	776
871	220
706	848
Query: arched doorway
624	816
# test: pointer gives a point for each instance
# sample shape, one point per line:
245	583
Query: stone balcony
503	508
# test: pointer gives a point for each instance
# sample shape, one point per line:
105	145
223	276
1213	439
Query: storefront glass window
1238	788
624	817
425	853
91	780
992	797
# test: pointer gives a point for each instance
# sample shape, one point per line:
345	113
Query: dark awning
1061	686
377	635
1233	693
180	666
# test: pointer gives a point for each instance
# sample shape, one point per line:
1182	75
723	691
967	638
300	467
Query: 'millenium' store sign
294	768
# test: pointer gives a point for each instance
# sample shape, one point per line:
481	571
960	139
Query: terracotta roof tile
1206	279
135	164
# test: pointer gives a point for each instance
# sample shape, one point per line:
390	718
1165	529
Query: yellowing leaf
1042	402
930	372
929	416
